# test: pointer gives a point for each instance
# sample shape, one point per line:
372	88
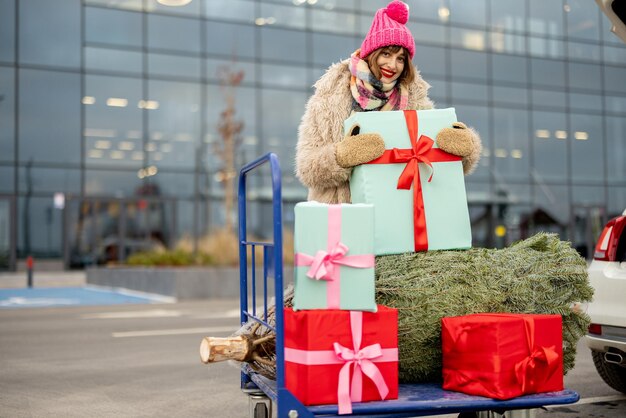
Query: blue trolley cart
265	394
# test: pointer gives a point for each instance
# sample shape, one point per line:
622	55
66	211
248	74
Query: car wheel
612	374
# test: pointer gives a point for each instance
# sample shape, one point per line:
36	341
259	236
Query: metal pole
29	270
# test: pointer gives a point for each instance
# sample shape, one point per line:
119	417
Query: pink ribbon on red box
325	263
360	360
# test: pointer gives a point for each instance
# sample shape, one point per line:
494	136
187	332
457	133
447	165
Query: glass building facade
109	112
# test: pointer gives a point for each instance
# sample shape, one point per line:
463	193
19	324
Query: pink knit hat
388	28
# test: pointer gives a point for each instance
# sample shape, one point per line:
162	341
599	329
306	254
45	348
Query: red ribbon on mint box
421	151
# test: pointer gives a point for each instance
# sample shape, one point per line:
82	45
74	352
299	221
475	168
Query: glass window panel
214	66
509	68
280	126
328	49
468	38
237	10
234	40
614	79
509	15
554	200
104	59
351	5
617	201
174	33
586	52
113	121
174	184
322	20
291	41
49	33
469	91
510	95
184	219
547	72
288	16
7	31
545	47
173	65
283	75
420	9
585	76
469	64
7	114
42	237
478	118
615	55
548	98
314	74
427	33
114	27
507	43
583	19
118	183
49	180
549	152
136	5
190	9
585	101
431	61
616	138
615	104
46	98
6	185
468	12
439	91
511	154
174	128
546	17
245	111
587	149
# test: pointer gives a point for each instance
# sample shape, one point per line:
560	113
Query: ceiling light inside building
500	153
542	133
581	135
126	146
183	137
474	40
148	104
95	153
117	102
117	155
150	147
157	156
137	156
174	3
102	144
560	134
516	153
298	2
444	13
156	135
100	133
88	100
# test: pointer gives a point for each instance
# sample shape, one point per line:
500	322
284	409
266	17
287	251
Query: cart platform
420	399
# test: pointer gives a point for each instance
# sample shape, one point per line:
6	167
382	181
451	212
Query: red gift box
338	357
502	356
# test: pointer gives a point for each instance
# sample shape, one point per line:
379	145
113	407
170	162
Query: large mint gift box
334	257
417	190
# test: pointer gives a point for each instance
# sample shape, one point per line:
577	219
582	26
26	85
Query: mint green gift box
334	257
445	201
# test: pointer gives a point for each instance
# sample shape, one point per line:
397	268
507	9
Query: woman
378	77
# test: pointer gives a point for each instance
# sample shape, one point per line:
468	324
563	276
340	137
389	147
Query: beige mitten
359	148
463	142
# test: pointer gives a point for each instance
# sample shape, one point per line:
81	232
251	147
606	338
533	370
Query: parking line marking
152	313
179	331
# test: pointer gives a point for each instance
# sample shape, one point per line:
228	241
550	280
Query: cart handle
277	255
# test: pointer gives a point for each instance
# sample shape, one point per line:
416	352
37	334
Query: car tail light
606	248
595	329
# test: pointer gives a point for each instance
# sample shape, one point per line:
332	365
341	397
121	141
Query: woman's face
391	65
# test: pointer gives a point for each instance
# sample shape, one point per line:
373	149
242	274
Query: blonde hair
408	73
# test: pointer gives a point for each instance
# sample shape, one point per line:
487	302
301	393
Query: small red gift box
338	357
502	356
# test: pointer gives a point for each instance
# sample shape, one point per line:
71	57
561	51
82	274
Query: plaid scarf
369	93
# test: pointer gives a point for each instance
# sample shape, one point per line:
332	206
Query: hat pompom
398	11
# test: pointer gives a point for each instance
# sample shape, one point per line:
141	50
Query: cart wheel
260	411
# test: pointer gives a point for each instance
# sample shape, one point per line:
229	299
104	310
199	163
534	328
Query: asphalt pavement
142	360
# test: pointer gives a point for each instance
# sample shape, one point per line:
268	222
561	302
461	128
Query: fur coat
321	128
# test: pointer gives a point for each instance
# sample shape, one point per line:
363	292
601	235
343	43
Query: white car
607	332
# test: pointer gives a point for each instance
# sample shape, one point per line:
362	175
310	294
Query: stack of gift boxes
340	347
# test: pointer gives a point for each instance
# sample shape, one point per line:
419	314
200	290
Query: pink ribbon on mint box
325	264
360	360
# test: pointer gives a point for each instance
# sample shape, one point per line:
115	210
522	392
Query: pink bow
323	264
361	358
